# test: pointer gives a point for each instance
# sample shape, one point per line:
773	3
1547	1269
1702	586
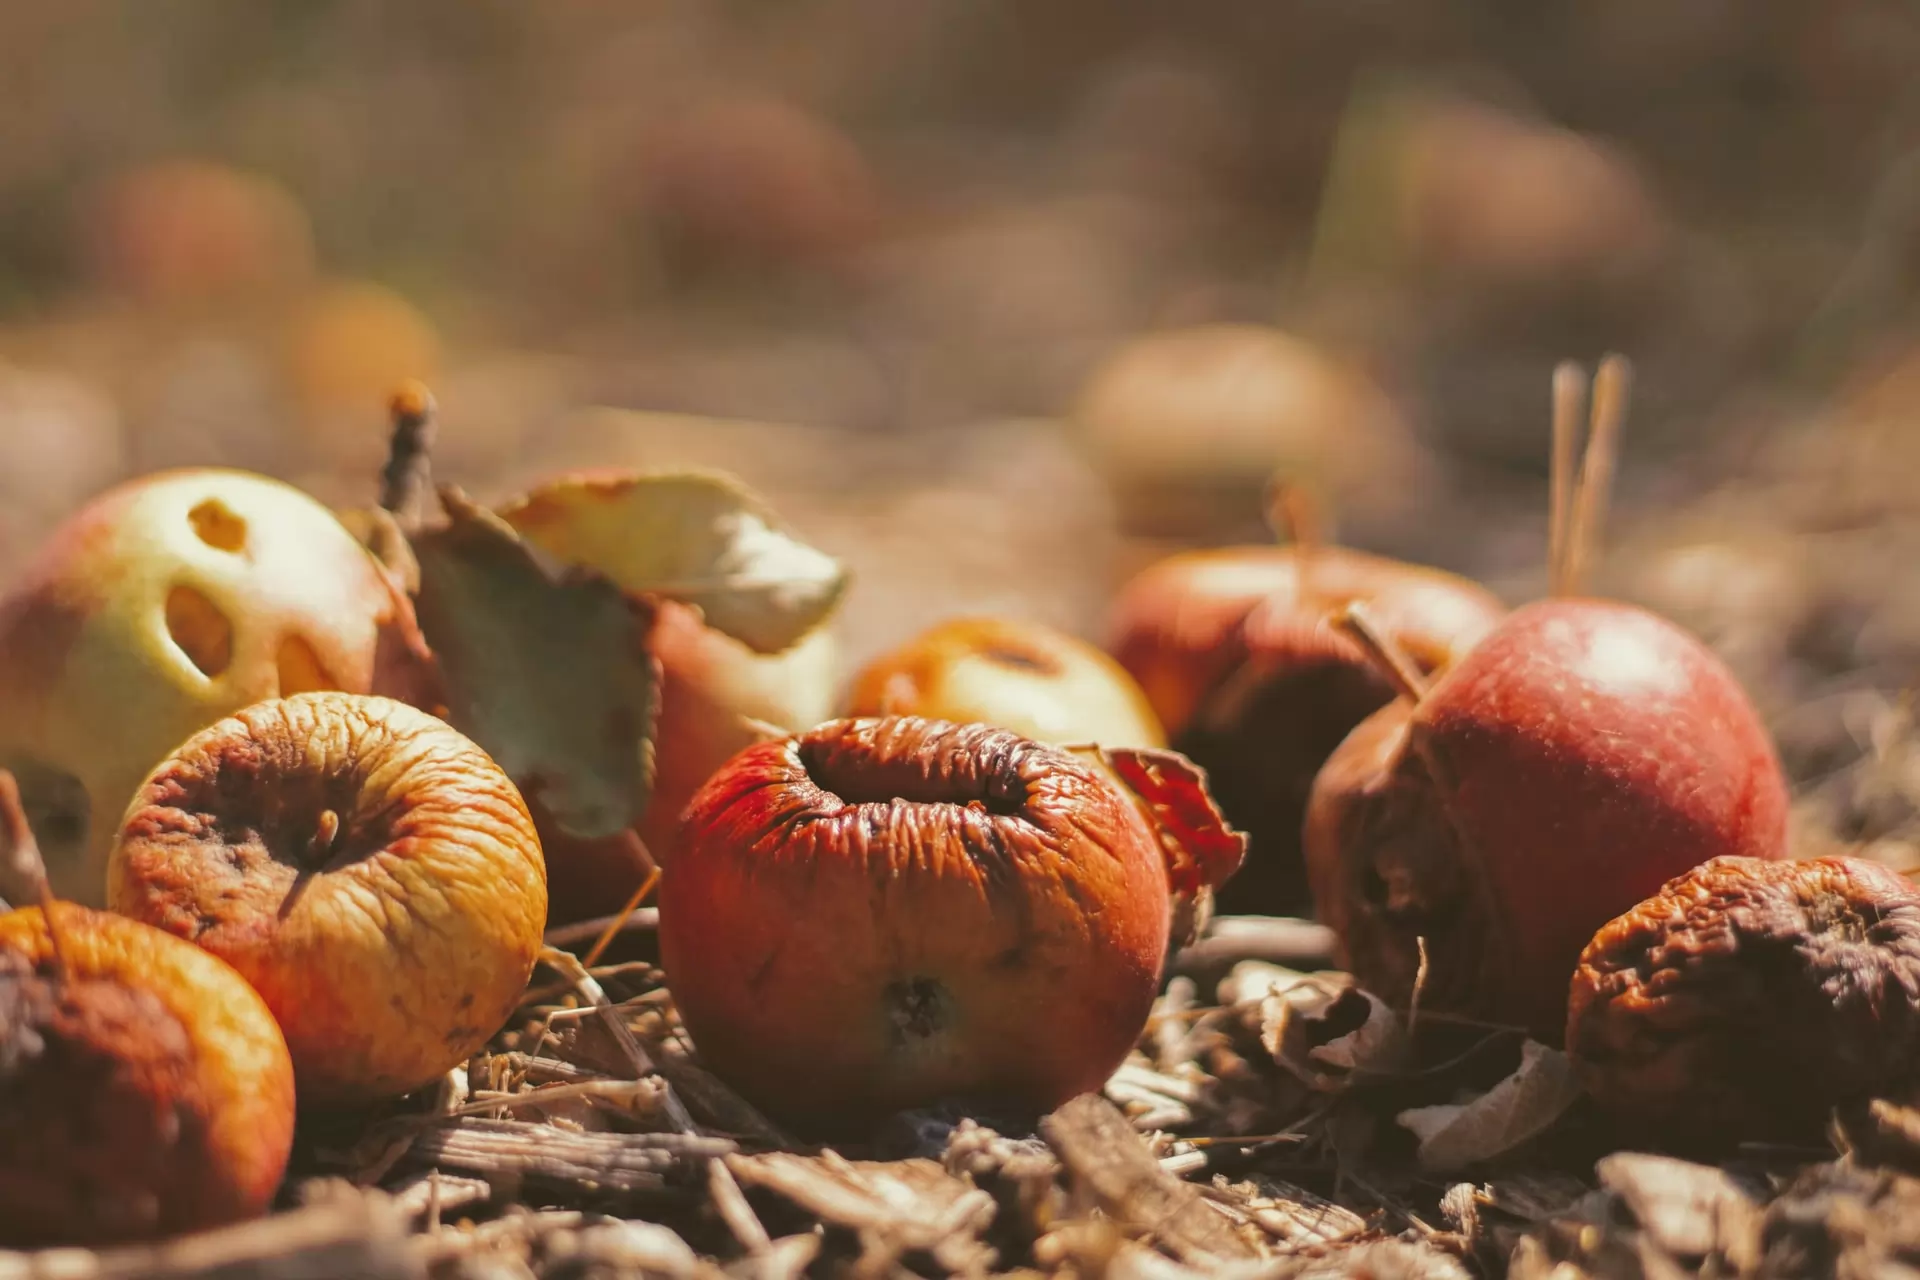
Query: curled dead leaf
1321	1027
698	537
1518	1109
549	671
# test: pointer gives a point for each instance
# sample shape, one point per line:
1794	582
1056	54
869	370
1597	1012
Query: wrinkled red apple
1236	651
161	606
883	913
1575	760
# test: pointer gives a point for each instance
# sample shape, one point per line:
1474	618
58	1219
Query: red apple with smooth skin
1578	758
884	913
1237	653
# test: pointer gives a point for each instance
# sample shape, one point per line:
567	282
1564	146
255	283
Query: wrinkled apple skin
395	949
145	1090
884	913
96	684
1573	762
1191	625
1024	676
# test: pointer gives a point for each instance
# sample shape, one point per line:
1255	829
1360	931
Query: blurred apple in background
1025	676
68	435
351	342
1190	425
194	231
160	606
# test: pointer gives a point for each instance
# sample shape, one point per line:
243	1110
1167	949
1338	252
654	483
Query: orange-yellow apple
1024	676
144	1087
885	913
371	871
1238	654
159	607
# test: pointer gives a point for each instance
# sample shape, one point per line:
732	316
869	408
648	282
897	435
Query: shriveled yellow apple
159	607
1019	675
369	869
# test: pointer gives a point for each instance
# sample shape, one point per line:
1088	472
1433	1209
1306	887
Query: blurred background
1001	300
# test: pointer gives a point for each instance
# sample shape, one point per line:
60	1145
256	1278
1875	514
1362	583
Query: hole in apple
1020	659
203	633
300	669
217	526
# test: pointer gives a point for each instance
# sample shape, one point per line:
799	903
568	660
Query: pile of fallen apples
307	787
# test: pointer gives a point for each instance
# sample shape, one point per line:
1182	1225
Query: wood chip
358	1236
1102	1152
626	1162
896	1207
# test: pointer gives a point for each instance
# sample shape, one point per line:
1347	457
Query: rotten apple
1238	655
883	913
367	868
162	605
145	1090
1576	759
1020	675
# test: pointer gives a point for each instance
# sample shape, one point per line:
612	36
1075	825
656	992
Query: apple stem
1387	657
1610	387
22	862
326	831
410	452
1569	394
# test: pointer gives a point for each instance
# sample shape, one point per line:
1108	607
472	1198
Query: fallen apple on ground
1468	839
145	1089
159	607
369	870
1236	651
884	913
1019	675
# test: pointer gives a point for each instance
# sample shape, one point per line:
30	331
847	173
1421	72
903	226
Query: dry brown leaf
550	672
1321	1027
697	537
1520	1107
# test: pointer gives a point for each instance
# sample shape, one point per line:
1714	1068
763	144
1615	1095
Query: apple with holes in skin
145	1090
159	607
884	913
1022	676
1578	758
369	869
1237	653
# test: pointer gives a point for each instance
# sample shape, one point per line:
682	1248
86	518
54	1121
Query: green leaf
548	671
697	537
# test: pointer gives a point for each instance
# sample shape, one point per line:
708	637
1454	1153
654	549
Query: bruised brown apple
371	871
161	606
145	1090
1240	657
1020	675
887	912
